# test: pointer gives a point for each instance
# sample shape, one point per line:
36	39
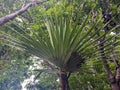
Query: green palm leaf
62	43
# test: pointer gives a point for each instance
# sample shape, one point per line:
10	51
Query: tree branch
11	16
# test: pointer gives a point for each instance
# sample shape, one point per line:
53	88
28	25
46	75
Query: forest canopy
59	45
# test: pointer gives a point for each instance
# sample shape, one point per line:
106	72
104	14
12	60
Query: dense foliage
79	38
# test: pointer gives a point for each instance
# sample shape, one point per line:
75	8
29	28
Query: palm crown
63	43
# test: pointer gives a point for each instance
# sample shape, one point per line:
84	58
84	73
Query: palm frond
62	43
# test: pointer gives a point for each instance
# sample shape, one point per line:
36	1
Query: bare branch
11	16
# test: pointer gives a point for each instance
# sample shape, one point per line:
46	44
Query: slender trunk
63	81
115	86
113	82
113	79
117	77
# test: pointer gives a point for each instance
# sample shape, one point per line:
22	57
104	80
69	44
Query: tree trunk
113	79
115	86
113	82
63	81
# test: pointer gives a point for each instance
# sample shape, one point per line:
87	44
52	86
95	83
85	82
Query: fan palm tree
63	44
